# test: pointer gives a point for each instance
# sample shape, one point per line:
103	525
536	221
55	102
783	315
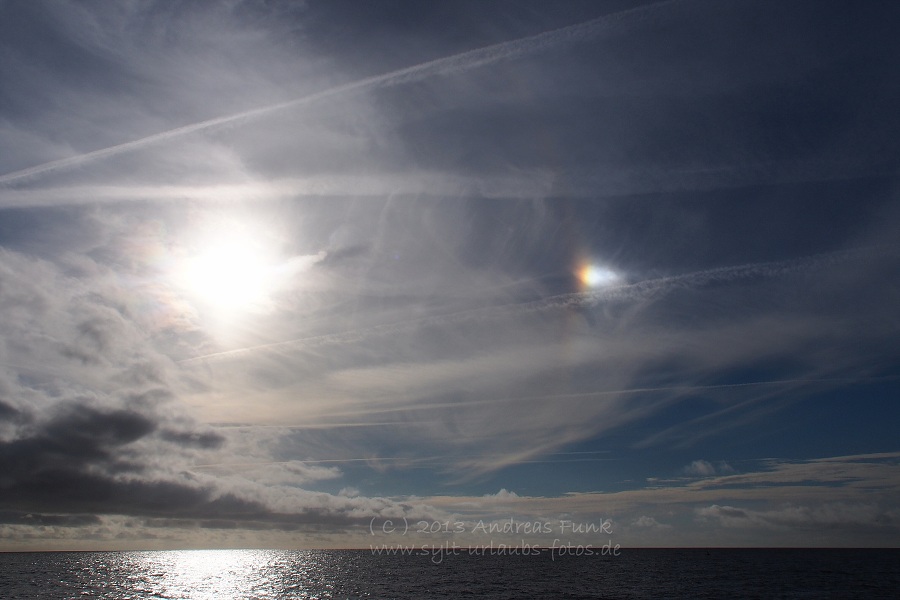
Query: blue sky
278	273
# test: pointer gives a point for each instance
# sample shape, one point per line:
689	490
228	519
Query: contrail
449	65
535	184
627	292
439	459
409	408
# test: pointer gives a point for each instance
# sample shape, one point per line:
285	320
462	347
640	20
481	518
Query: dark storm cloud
80	491
83	433
75	439
83	462
38	519
75	456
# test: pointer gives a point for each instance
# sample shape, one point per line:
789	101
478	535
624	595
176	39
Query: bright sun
231	270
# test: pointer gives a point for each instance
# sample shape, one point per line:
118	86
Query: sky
347	274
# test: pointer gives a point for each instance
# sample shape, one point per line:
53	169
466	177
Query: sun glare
231	269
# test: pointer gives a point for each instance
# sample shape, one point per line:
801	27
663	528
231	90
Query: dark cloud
84	431
38	519
206	440
76	438
8	413
71	469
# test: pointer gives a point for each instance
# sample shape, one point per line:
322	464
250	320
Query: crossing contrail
449	65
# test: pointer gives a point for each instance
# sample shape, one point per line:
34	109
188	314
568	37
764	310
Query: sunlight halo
230	269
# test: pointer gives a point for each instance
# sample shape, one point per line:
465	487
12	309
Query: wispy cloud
779	501
443	66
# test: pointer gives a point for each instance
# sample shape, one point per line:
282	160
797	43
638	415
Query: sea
333	574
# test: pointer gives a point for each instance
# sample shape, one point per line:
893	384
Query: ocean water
332	574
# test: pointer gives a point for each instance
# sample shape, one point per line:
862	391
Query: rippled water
200	574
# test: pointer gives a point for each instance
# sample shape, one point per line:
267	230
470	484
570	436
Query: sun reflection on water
219	574
201	574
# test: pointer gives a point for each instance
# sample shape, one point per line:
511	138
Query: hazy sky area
341	273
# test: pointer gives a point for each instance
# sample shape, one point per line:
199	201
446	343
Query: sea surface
332	574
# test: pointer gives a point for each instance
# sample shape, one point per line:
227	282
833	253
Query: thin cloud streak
450	65
526	185
419	184
424	407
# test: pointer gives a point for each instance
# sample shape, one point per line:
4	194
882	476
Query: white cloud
704	468
650	522
700	468
805	517
503	494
